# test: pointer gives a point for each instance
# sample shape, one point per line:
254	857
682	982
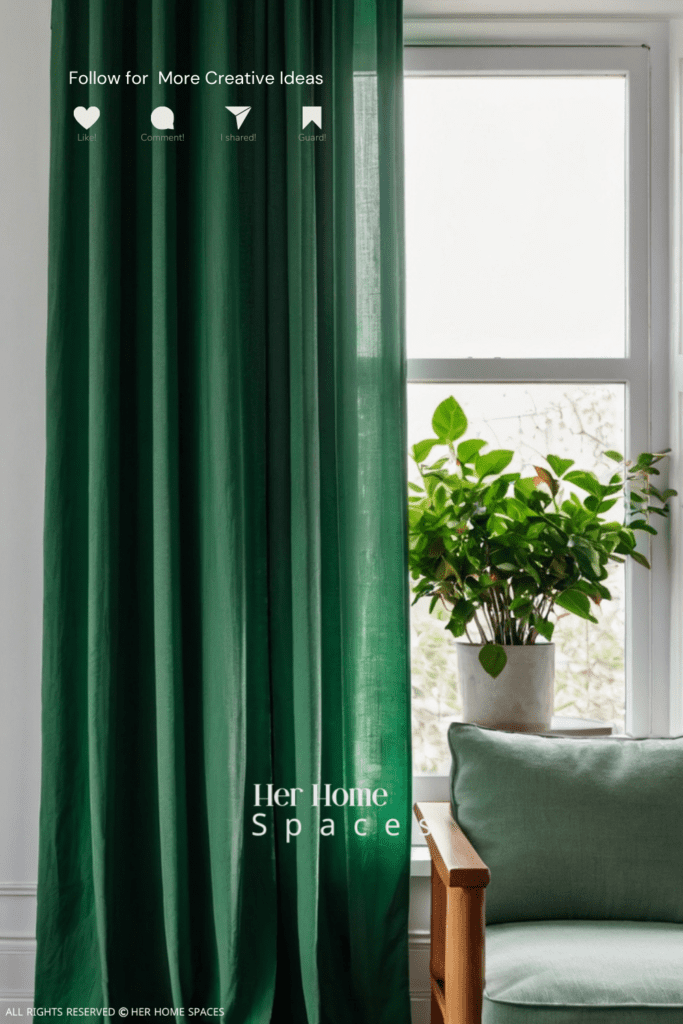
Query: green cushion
584	972
572	828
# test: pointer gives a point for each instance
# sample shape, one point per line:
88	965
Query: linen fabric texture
225	535
572	829
584	972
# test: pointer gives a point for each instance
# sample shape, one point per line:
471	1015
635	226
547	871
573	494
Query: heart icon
86	118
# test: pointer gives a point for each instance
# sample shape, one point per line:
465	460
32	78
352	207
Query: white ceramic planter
520	698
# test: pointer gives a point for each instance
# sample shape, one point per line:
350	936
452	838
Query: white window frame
639	52
676	369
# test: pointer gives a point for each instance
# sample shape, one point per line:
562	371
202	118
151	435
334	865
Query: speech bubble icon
162	118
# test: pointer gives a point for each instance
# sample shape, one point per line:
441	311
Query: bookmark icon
240	114
314	114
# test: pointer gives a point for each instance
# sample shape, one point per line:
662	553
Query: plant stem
482	634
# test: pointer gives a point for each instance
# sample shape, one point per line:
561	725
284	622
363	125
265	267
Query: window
528	277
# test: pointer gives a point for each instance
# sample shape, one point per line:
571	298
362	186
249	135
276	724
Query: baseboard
17	947
14	1006
18	954
17	969
420	995
420	1009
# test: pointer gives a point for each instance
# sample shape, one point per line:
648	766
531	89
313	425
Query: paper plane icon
240	114
314	114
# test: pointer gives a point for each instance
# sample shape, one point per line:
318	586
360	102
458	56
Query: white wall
24	157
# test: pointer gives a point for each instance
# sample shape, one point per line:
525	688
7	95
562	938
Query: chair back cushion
572	828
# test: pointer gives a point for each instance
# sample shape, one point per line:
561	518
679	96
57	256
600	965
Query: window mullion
525	371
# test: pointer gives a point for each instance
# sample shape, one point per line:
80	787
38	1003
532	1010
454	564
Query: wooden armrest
459	878
453	856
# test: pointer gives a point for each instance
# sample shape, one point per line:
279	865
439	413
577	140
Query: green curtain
225	570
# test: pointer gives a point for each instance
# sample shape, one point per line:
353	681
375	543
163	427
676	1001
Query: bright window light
515	216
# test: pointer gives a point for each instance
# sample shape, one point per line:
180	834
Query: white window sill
420	862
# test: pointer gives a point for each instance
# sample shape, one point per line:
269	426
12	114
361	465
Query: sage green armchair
557	881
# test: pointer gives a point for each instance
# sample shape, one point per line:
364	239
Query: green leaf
460	616
495	492
525	487
440	497
415	487
533	573
516	509
449	421
615	456
545	628
586	481
558	566
585	555
627	537
577	603
640	524
594	590
422	449
468	449
640	559
492	462
444	570
435	547
559	466
496	526
644	461
493	659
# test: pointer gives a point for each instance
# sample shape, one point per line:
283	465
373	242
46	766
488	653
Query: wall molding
17	968
17	945
18	889
17	915
418	955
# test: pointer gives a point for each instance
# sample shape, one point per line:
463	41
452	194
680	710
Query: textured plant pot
521	698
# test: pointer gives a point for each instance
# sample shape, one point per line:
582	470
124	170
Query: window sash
634	370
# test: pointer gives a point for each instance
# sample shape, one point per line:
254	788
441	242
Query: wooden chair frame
459	880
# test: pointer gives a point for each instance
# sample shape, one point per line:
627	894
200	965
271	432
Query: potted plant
506	553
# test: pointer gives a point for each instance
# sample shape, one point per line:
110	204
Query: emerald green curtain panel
225	571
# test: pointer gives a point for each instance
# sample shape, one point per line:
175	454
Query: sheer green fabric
225	572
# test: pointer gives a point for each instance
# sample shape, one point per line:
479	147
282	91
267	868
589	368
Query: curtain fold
225	564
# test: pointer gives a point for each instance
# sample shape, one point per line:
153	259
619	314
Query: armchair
583	843
459	878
